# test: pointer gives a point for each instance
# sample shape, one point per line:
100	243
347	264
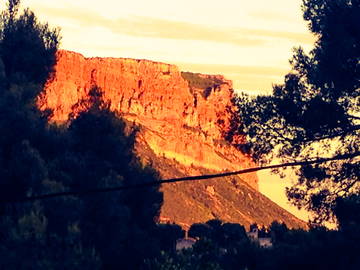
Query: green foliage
27	46
168	234
315	113
348	214
202	256
195	80
116	224
318	248
223	235
95	150
102	231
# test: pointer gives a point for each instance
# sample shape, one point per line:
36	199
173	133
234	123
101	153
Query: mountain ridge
182	118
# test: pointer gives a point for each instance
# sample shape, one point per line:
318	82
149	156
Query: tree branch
332	136
353	116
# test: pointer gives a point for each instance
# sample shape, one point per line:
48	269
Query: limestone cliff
182	122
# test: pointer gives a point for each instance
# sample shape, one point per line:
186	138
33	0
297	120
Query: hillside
182	119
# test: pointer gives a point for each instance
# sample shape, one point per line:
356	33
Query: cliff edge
182	118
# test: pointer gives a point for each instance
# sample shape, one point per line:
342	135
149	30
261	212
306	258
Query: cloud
140	26
245	70
271	16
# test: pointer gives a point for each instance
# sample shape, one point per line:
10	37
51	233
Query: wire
182	179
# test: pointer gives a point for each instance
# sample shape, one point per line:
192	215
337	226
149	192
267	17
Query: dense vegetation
94	149
226	247
196	81
316	112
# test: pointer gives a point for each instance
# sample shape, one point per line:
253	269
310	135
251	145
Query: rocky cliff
182	119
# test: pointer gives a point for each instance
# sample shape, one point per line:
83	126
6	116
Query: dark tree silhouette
27	46
120	225
347	211
316	112
94	150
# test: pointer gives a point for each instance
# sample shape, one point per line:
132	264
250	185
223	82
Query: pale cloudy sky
249	42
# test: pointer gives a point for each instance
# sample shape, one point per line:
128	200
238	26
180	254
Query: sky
250	42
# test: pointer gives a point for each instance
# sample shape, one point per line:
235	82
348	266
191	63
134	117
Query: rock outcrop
182	123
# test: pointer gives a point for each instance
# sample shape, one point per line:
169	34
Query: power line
182	179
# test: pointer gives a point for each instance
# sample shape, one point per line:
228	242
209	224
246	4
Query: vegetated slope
230	199
183	118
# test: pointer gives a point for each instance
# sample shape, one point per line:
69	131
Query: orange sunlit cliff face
156	96
181	132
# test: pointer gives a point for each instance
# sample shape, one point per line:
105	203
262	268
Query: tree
28	47
221	234
348	214
94	150
278	231
99	153
23	127
316	112
203	255
27	53
167	236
